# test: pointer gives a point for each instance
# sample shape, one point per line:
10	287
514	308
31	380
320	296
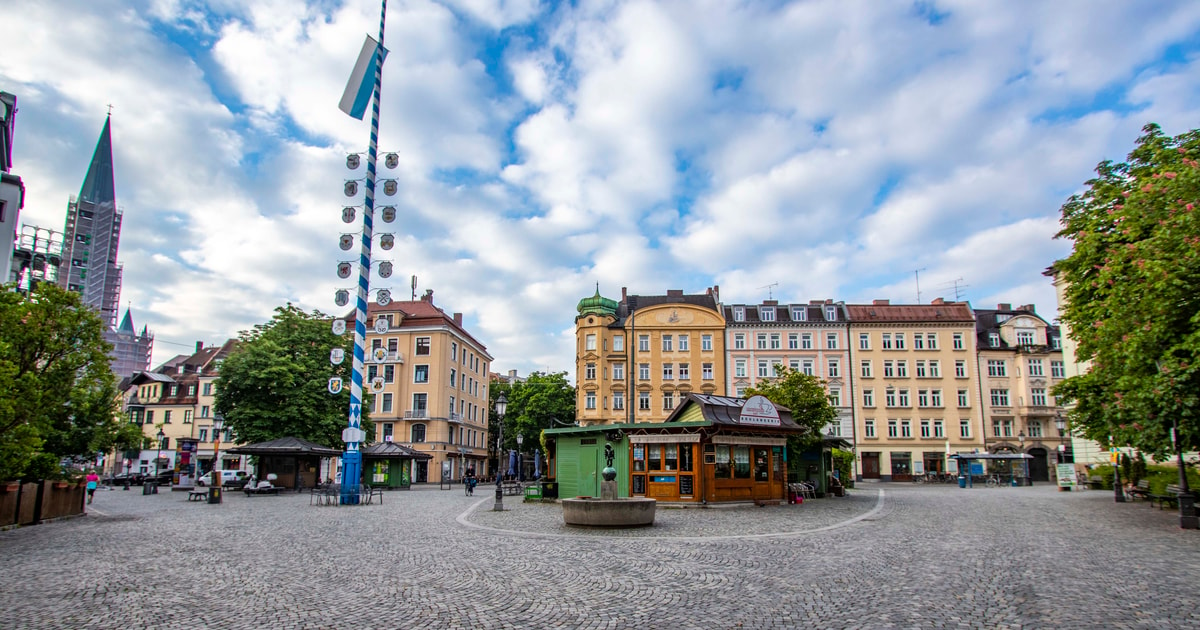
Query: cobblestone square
887	556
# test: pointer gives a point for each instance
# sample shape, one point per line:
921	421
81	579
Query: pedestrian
93	480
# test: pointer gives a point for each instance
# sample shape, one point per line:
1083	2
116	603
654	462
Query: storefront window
901	463
639	458
723	469
655	457
741	462
685	458
672	457
761	471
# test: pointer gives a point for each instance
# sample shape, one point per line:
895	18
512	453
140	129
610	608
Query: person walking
93	480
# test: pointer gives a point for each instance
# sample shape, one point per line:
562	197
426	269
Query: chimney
770	302
938	301
1027	307
458	319
512	375
674	292
428	296
881	302
1003	307
199	346
624	294
716	292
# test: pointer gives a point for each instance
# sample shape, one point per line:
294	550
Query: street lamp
158	459
1021	440
1118	494
214	493
501	407
520	458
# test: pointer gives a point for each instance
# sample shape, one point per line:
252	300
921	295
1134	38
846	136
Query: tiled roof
286	446
899	313
391	450
638	302
416	313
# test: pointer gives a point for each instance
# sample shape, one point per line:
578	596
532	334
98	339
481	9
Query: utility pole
918	274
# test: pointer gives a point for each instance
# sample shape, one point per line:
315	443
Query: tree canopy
1133	295
805	397
58	395
534	404
275	382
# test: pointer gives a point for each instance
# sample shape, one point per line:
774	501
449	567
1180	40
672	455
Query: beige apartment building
430	393
809	338
1020	360
638	358
915	398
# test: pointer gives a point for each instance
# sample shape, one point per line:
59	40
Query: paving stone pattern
922	557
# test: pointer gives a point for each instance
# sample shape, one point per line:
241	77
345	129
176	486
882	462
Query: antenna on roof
959	287
918	274
769	287
414	288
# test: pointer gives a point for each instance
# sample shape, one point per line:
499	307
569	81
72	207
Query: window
643	343
393	346
957	342
762	341
684	372
589	373
999	397
925	432
619	343
793	341
191	390
931	341
150	416
741	462
167	417
1002	428
902	369
1056	343
372	372
960	368
739	368
902	399
203	435
935	398
869	428
590	343
806	341
644	371
739	342
740	391
997	367
618	371
706	343
866	368
938	429
831	341
763	368
799	314
864	341
918	341
421	374
454	348
834	369
419	406
1037	397
388	430
899	341
830	313
1035	428
668	401
835	397
887	341
935	369
889	398
963	399
921	373
418	433
892	429
706	371
667	343
868	397
964	428
922	397
387	403
644	401
590	400
683	343
208	389
766	313
889	369
1056	369
1035	367
739	314
1025	338
775	341
806	366
422	346
618	400
994	340
187	416
203	412
174	390
668	371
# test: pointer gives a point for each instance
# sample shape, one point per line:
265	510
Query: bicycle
993	481
469	486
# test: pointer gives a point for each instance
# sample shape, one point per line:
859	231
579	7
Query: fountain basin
593	512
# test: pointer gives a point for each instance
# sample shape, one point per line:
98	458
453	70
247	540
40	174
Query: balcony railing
416	413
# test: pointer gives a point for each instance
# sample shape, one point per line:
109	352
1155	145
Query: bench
253	490
197	495
1095	482
1172	497
1141	490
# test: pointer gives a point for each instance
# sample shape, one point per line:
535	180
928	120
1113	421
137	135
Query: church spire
98	186
127	323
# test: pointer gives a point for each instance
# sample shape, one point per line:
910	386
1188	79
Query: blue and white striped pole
352	458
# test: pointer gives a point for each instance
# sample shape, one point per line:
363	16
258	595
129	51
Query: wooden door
589	470
870	465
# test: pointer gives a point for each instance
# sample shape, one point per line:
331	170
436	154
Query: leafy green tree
275	382
534	404
805	397
58	396
1133	296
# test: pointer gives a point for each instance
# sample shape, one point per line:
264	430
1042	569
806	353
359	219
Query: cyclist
469	481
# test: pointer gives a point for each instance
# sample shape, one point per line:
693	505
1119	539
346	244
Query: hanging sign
385	269
344	270
391	160
348	214
335	385
390	187
381	325
384	298
346	241
379	355
386	241
352	161
388	213
377	384
759	411
342	297
351	188
336	356
339	326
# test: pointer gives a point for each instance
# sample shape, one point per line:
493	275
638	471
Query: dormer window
799	314
830	313
739	314
1024	337
994	340
766	313
182	368
1056	343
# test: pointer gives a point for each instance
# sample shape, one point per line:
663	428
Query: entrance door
589	478
870	465
422	475
1039	466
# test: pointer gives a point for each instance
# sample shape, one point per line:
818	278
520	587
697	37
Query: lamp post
158	461
520	458
214	493
1060	423
1118	494
1021	441
501	406
1187	500
127	473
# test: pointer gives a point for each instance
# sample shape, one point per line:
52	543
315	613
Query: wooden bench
253	490
1172	497
1141	490
197	495
1095	482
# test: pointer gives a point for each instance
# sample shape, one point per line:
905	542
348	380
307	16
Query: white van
229	478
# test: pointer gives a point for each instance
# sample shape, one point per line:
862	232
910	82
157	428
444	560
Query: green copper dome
597	305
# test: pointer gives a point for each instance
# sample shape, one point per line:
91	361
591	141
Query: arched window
418	433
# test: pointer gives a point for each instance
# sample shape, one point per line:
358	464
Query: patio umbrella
512	462
537	464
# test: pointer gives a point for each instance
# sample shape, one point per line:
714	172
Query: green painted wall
572	479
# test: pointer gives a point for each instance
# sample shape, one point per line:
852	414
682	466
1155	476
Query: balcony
417	414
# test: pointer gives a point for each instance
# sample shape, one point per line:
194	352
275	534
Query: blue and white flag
362	81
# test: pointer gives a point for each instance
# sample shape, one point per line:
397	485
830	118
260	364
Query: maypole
354	435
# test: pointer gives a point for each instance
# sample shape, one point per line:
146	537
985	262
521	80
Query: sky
787	150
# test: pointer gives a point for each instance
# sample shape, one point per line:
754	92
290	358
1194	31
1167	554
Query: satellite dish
379	355
348	214
335	385
381	325
385	269
342	297
346	242
339	326
344	270
389	214
336	356
377	384
390	187
391	160
386	241
352	161
384	298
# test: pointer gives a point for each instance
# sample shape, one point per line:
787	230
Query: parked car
131	478
233	479
165	477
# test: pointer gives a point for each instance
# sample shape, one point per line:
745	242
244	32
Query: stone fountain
609	510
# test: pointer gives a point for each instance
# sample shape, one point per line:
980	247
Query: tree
275	382
804	395
534	404
1133	296
58	395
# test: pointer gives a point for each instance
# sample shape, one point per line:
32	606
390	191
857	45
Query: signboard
918	468
976	468
759	411
1066	475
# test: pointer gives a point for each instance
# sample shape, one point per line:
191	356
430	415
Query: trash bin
149	488
214	494
550	489
962	482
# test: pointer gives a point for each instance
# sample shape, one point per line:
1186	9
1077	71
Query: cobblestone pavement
922	557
